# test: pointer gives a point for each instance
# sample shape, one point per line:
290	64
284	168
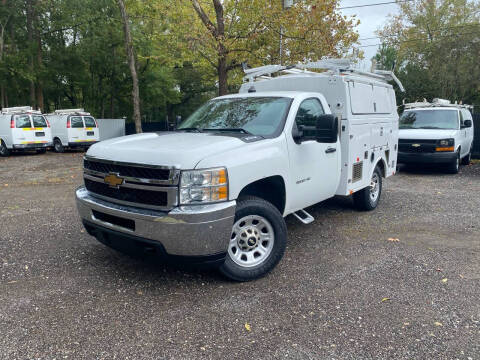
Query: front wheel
258	241
454	166
466	160
4	151
367	199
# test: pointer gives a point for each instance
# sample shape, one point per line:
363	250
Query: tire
4	151
367	199
41	151
250	254
57	146
454	166
467	158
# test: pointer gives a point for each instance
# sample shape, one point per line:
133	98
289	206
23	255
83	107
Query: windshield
39	121
254	115
429	119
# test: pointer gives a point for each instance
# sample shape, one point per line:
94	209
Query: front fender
254	161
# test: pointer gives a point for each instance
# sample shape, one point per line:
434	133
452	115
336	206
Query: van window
76	122
429	119
89	122
39	121
23	121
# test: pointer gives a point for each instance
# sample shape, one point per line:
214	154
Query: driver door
314	166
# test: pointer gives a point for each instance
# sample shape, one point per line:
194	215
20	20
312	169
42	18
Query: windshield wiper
191	129
231	130
428	127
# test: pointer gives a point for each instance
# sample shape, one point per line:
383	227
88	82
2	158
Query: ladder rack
436	103
20	110
333	66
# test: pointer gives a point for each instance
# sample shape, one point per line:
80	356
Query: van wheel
57	146
4	151
454	166
367	199
258	241
467	158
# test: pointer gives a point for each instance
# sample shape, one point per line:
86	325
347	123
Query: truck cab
436	133
217	189
22	128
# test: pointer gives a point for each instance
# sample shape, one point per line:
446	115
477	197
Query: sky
371	18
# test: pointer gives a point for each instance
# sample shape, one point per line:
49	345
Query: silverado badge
415	145
113	180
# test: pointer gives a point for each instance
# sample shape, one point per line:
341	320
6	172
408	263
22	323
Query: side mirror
467	123
327	129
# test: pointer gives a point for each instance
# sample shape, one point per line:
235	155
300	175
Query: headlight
445	145
446	142
203	186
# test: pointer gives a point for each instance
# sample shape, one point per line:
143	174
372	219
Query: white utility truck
22	128
437	133
73	128
218	188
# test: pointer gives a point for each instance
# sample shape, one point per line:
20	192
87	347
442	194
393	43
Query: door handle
330	150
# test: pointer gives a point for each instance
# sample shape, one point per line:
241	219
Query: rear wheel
57	146
454	166
368	198
4	151
258	241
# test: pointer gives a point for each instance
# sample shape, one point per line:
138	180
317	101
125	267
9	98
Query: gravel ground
342	291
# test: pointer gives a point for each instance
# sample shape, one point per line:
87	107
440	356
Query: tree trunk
31	44
133	69
222	76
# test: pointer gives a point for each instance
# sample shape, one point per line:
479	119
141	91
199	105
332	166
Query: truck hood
179	149
425	134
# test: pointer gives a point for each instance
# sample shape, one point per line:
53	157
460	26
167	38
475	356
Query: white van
218	188
22	128
436	133
73	128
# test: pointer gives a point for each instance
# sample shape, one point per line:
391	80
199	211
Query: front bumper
81	144
426	158
191	231
32	146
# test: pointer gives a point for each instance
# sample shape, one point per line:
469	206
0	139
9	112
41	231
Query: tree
435	42
133	68
220	35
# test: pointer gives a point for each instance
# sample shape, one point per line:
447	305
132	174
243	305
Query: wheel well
381	166
271	189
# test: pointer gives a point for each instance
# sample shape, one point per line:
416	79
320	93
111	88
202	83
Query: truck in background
73	128
436	133
22	128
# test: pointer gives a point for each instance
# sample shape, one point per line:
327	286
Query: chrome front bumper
198	230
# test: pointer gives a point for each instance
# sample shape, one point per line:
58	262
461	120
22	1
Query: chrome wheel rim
252	241
457	163
374	187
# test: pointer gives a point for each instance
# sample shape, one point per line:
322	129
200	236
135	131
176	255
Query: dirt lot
343	290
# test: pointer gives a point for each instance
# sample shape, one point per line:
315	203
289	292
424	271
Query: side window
76	122
307	115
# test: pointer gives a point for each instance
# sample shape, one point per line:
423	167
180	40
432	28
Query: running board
303	216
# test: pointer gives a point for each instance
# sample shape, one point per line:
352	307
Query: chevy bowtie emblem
113	180
415	145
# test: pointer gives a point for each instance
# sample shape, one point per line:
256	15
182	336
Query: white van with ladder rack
73	128
22	128
217	188
438	133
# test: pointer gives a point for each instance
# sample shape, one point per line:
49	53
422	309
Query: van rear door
91	129
23	132
75	129
42	132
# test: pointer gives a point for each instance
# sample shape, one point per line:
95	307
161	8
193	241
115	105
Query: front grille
115	220
139	196
131	171
416	146
357	171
